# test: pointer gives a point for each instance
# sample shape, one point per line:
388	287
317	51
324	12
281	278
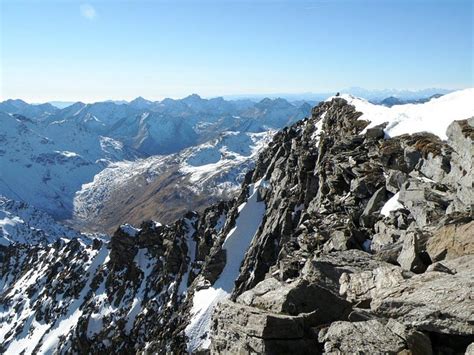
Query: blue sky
96	50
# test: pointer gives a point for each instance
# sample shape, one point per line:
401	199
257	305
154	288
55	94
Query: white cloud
88	11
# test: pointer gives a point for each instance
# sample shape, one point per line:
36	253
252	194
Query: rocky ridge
324	253
356	243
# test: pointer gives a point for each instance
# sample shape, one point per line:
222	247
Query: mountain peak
18	103
139	99
348	224
278	102
193	97
140	103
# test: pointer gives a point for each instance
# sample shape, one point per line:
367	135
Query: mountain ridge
317	267
369	94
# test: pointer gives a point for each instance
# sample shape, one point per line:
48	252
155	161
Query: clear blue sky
95	50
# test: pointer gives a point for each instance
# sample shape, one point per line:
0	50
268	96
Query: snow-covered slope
214	166
433	116
39	335
45	163
42	111
67	293
21	223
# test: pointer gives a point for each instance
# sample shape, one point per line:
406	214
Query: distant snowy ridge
44	164
230	150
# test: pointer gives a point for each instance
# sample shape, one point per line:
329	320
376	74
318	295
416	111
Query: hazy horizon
297	96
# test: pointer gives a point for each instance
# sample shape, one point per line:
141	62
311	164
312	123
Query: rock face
259	331
443	299
341	241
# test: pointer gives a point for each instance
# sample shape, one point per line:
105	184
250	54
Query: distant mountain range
47	154
392	100
298	98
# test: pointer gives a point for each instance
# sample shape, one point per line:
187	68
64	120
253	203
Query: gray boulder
461	138
413	256
426	200
370	214
364	285
369	337
434	301
240	329
451	241
295	298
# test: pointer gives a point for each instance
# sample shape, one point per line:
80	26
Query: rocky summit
344	238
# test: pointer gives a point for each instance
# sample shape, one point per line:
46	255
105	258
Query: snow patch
67	154
391	205
318	129
130	230
22	223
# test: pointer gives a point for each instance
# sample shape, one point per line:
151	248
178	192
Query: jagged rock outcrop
329	182
121	294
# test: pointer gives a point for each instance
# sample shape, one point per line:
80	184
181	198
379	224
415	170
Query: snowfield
40	333
231	150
